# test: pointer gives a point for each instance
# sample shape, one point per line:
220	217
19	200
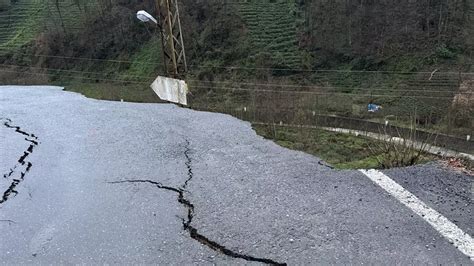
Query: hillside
315	34
272	29
278	60
20	23
23	20
391	32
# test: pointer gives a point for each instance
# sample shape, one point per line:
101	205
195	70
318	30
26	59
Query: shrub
444	52
399	151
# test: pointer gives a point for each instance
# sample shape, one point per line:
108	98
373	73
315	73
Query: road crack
10	222
187	150
322	163
22	161
193	232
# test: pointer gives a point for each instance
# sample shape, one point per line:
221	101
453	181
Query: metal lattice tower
171	38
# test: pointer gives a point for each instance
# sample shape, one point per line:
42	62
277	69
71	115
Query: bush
444	52
400	151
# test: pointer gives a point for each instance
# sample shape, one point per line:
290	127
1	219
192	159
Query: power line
436	82
390	90
254	68
70	71
322	87
71	76
328	70
326	93
250	90
78	58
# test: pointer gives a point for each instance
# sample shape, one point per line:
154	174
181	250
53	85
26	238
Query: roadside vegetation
115	92
263	61
343	151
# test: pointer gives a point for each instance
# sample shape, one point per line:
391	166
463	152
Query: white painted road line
460	239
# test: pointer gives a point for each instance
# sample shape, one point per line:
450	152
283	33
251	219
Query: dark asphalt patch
446	191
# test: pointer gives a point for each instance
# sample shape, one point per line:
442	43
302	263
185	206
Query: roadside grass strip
461	240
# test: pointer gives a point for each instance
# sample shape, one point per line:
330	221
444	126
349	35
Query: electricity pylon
171	38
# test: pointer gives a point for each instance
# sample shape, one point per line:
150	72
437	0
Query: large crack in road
250	201
22	161
193	232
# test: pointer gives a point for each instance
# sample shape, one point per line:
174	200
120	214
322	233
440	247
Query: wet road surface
109	182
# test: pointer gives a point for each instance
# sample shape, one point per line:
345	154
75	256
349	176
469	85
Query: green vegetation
20	23
22	20
116	92
272	29
343	151
146	61
69	15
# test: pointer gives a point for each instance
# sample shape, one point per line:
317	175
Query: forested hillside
379	30
306	34
323	56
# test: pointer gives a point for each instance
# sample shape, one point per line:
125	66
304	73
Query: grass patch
18	32
272	29
116	92
343	151
146	62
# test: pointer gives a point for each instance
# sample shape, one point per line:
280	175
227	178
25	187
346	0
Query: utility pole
171	38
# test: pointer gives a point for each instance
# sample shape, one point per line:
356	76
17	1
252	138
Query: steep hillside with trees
305	34
377	30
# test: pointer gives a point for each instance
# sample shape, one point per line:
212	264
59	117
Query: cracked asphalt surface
125	183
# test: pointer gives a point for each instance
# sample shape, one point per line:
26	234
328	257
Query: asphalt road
88	181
